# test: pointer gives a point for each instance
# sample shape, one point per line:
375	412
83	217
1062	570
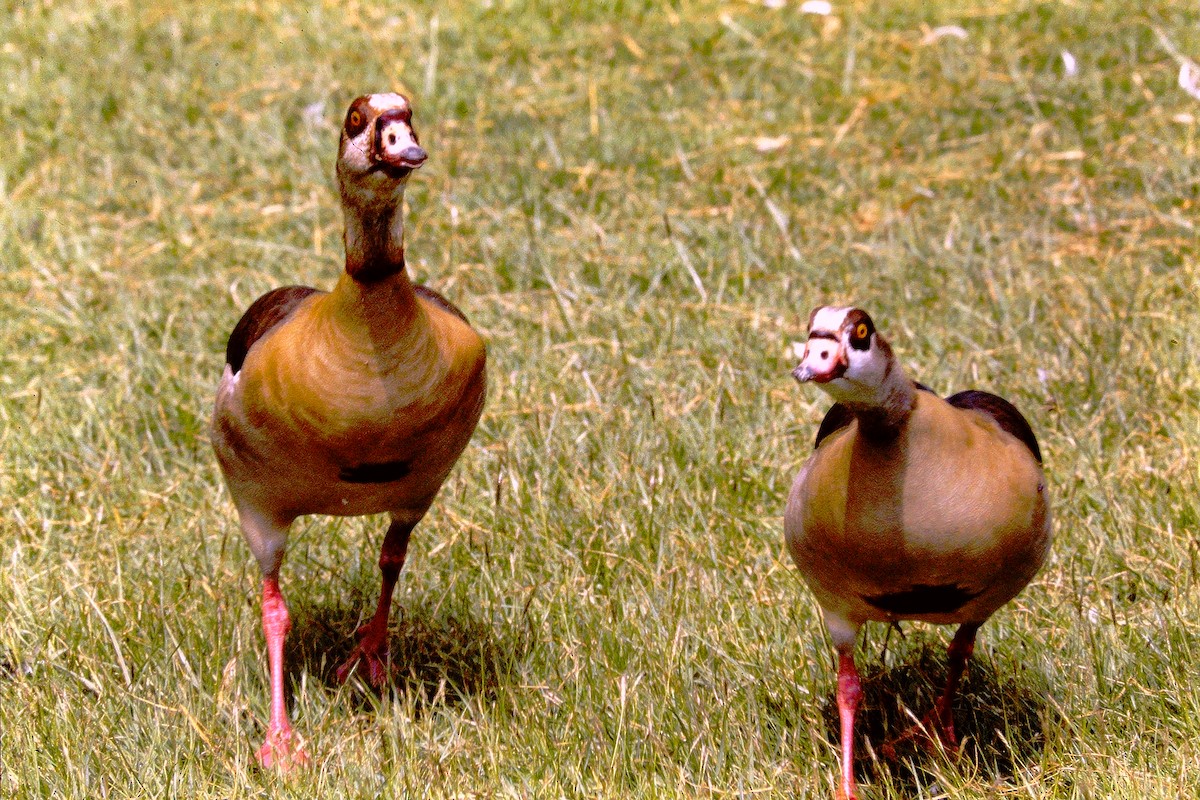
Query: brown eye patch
356	117
861	329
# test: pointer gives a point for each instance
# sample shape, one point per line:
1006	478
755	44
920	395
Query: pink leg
849	693
278	751
372	645
939	722
941	718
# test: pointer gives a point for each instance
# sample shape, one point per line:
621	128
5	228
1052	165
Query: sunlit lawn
638	207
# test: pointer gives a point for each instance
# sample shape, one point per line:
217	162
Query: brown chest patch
379	472
923	599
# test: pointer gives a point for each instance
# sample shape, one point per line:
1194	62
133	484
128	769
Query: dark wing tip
836	418
263	314
438	299
1005	413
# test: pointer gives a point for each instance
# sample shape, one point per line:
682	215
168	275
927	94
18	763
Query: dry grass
599	604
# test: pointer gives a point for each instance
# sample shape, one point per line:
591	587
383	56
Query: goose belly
942	542
343	447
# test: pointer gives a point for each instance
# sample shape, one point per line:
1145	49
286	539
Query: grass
599	604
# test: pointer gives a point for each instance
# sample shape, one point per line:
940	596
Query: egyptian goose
354	401
911	507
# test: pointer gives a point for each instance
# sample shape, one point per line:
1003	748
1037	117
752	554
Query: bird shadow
440	654
1000	713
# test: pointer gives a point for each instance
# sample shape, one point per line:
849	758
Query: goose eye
356	120
860	337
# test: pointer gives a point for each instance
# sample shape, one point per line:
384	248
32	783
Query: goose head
379	150
847	357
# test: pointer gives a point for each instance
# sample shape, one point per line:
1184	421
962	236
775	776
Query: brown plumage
911	508
348	402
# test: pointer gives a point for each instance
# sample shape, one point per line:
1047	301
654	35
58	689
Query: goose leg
279	750
941	719
938	724
849	693
372	647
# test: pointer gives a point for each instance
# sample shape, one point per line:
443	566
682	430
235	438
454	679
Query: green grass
599	604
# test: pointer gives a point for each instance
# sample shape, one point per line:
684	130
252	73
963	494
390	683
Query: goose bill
824	360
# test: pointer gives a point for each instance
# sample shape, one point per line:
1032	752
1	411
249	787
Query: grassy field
639	207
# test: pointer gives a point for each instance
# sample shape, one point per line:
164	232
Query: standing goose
911	507
349	402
